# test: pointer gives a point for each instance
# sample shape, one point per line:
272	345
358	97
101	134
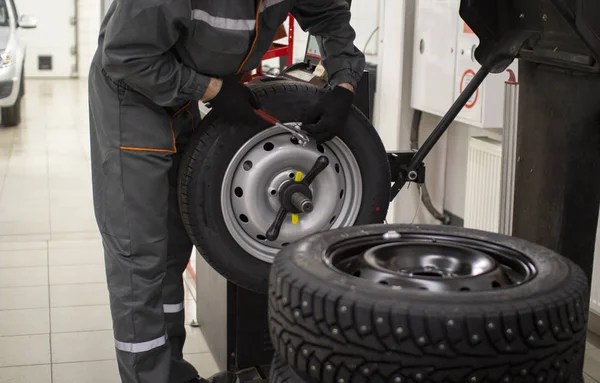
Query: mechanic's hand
236	103
328	119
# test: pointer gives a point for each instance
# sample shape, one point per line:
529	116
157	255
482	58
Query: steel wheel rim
431	262
262	165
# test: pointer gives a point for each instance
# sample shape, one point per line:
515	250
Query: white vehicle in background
12	59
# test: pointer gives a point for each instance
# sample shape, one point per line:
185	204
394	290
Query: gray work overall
154	62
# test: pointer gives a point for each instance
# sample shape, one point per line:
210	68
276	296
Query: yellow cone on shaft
295	217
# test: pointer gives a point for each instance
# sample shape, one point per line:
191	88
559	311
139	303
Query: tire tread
522	334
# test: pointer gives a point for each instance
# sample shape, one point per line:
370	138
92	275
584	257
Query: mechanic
155	60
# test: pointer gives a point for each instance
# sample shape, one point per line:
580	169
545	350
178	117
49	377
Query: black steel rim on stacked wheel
394	303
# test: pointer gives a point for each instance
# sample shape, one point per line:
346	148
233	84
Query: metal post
509	153
557	187
291	26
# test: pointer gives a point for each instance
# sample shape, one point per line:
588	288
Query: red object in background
280	50
190	270
467	29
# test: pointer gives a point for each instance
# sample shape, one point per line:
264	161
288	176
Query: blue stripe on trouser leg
131	200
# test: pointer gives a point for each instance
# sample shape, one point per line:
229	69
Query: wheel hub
260	180
296	197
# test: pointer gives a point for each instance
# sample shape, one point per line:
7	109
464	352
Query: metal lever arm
320	165
439	131
275	227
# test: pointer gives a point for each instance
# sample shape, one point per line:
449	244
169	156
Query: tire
216	143
11	116
335	327
283	373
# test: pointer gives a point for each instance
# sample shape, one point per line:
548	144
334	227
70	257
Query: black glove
328	119
236	103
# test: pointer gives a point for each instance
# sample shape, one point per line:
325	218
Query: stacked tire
335	320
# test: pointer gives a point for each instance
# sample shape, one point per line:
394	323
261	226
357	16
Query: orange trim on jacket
255	38
154	150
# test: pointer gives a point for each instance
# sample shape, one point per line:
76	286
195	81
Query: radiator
484	172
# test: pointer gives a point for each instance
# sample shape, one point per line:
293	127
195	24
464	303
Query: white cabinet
444	63
434	55
486	108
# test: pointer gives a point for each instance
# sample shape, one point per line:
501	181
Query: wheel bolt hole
243	218
341	193
247	165
292	175
357	273
423	288
273	192
337	168
384	282
239	192
294	141
465	289
495	284
261	237
332	220
268	146
284	244
321	148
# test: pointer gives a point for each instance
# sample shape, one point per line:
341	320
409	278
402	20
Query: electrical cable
425	197
421	187
369	40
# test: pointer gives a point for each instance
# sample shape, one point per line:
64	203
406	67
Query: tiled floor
54	317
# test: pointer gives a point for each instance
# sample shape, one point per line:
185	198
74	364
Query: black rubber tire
409	335
11	116
215	144
283	373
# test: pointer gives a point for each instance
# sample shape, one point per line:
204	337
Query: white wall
89	15
393	114
54	37
447	163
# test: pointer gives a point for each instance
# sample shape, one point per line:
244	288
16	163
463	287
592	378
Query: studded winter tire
232	179
281	372
393	303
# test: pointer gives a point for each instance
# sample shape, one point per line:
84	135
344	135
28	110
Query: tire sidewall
525	332
553	272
